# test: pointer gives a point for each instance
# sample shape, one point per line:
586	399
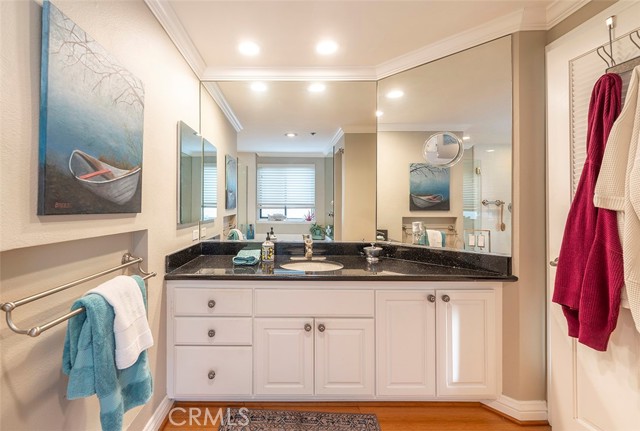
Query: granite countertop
206	264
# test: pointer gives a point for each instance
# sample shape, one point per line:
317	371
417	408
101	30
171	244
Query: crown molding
336	137
168	19
561	9
421	127
214	90
474	36
289	74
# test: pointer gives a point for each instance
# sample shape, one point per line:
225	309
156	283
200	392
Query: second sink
312	266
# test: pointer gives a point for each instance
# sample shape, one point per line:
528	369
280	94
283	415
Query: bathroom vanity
398	329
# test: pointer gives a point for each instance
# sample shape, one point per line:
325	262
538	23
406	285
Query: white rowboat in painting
426	201
111	183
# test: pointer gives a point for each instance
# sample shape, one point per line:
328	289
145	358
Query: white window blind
286	186
210	185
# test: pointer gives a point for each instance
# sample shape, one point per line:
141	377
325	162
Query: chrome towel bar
8	307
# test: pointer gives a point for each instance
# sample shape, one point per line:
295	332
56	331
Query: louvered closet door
587	390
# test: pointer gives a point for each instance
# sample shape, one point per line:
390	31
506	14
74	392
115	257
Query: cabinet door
406	340
283	352
344	356
466	342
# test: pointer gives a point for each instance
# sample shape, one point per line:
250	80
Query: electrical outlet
195	234
203	232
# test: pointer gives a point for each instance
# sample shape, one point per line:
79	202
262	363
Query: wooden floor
416	416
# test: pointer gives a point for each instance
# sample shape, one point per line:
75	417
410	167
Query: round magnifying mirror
443	149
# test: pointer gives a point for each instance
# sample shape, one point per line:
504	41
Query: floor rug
283	420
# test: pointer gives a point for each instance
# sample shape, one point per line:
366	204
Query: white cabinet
451	331
406	343
262	341
283	361
466	343
286	362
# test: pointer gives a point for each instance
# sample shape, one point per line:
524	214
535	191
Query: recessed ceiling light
290	135
326	47
249	48
394	94
466	138
489	151
379	113
317	87
259	86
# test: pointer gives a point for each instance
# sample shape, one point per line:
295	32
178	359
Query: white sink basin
312	266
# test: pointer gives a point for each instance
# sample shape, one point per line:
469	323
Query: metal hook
600	55
637	33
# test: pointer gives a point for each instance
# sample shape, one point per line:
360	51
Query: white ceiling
376	39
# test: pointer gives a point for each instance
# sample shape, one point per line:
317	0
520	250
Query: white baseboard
155	421
520	410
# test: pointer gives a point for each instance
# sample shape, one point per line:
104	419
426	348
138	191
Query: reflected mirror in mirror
288	177
442	149
189	174
209	181
468	94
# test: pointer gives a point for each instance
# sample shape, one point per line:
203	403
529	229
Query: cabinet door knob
321	327
212	333
307	327
446	298
212	375
431	298
211	303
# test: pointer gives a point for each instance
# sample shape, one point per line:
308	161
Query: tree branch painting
91	124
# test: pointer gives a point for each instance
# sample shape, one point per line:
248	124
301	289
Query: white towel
434	237
130	326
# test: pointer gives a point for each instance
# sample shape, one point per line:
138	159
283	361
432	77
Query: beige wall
396	150
524	356
41	252
359	187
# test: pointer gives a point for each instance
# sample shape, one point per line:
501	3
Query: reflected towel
130	326
235	235
247	257
434	238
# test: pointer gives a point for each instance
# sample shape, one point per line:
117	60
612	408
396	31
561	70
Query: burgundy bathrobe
590	276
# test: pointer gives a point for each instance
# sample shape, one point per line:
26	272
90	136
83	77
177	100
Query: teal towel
233	235
247	257
89	361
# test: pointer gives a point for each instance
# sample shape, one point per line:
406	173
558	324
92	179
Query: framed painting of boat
231	180
91	124
429	188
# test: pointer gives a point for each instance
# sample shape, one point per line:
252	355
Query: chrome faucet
308	246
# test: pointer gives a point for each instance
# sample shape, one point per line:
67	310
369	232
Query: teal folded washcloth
247	257
88	359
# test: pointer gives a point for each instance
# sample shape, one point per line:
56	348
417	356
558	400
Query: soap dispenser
268	250
273	235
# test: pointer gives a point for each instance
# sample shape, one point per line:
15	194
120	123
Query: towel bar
8	307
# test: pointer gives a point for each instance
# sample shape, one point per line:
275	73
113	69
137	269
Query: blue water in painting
429	180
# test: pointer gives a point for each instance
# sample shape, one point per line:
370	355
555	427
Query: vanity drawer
212	302
194	366
311	303
214	331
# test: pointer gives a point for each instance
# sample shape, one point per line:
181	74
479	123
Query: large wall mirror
197	177
306	157
468	94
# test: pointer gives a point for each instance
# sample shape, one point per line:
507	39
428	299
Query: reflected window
286	192
210	191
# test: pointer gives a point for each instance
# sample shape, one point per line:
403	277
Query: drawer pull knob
321	327
212	375
211	303
446	298
307	327
431	298
212	333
